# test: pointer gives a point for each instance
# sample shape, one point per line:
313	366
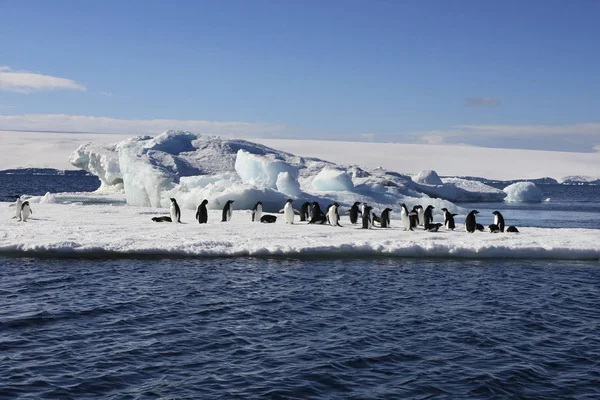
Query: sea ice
523	192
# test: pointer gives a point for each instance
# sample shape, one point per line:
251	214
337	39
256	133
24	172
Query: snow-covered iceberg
456	189
523	192
191	167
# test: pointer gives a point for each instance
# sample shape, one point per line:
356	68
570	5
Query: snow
427	177
456	189
51	150
332	180
523	192
74	230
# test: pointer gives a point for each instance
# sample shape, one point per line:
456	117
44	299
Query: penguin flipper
281	210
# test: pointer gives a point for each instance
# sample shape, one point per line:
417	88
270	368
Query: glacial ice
192	167
428	177
523	192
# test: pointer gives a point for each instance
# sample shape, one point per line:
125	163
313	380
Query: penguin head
259	203
433	208
388	210
444	209
357	203
495	213
25	203
475	212
204	202
230	201
173	200
289	200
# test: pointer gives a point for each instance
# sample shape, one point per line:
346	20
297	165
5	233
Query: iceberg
523	192
456	189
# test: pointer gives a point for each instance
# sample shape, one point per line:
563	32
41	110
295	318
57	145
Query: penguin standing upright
18	205
421	215
367	221
175	211
288	212
405	217
449	219
499	220
354	211
316	215
25	211
333	215
202	212
227	211
304	211
428	217
385	218
413	217
257	212
470	221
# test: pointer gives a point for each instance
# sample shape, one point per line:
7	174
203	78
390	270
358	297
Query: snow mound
427	177
523	192
332	180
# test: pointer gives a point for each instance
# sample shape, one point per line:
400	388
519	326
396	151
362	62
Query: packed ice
523	192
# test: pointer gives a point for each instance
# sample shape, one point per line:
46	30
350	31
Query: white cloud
107	94
84	123
28	82
481	102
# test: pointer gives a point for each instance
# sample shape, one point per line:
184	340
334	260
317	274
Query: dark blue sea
246	328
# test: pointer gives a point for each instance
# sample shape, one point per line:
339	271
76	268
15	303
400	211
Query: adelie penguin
257	212
499	220
512	229
175	211
493	228
471	222
202	212
405	217
25	211
449	219
333	215
317	216
354	211
227	211
268	219
433	227
414	217
421	215
428	217
385	218
18	205
305	211
162	219
367	221
479	227
288	211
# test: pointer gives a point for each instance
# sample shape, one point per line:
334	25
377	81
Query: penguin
449	219
405	217
257	212
428	216
202	212
304	211
354	211
227	210
288	211
367	222
385	218
175	211
268	219
25	211
161	219
333	215
470	221
434	227
18	205
362	208
375	219
499	220
414	217
421	215
317	216
493	228
479	227
512	229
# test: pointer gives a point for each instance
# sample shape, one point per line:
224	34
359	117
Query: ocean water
279	328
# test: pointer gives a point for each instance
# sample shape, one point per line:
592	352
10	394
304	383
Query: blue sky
499	74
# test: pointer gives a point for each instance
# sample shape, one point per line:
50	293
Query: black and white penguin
512	229
375	219
268	219
385	218
202	212
161	219
413	217
227	211
493	228
405	217
175	211
354	211
470	221
25	211
479	227
367	221
499	220
18	205
449	219
257	212
421	215
434	227
333	215
428	216
305	211
316	215
288	211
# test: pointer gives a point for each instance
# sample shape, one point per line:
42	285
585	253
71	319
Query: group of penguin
312	213
22	209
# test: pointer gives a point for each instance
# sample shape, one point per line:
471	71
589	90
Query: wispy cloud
91	124
28	82
481	102
107	94
5	106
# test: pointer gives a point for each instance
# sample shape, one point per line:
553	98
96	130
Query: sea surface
242	328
